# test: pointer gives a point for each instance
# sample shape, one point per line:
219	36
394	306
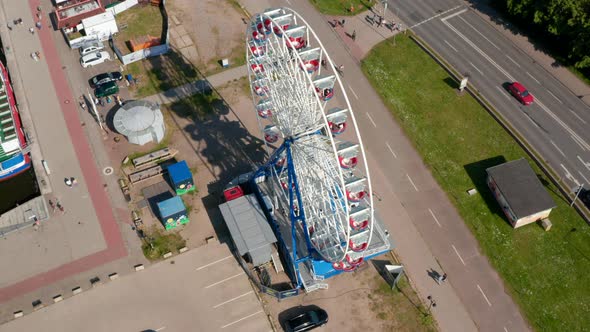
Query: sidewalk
189	89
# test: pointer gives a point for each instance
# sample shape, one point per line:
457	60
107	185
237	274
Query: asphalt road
554	125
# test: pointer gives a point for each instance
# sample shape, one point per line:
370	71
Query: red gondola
311	65
355	196
347	163
357	226
338	128
357	248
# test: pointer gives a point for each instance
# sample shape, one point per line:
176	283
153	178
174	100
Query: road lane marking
481	34
556	147
478	50
241	319
213	263
563	125
373	122
391	150
439	14
577	142
583	177
569	175
514	62
586	164
484	296
533	77
554	96
224	280
457	252
502	92
412	182
434	217
351	90
577	116
451	46
472	65
232	299
452	15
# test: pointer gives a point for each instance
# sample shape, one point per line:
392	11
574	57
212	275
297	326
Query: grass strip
547	273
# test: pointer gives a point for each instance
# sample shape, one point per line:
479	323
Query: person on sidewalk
68	182
441	278
353	36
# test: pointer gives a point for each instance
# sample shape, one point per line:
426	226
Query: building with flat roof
249	229
519	192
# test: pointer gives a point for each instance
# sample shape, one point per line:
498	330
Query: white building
102	26
140	121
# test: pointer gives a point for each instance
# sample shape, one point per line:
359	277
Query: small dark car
306	321
105	78
106	89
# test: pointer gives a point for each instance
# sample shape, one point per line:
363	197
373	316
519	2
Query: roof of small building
137	117
179	172
521	188
248	226
171	206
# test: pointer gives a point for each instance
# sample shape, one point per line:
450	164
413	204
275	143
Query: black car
307	320
105	78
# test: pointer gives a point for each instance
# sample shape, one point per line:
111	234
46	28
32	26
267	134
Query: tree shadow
211	128
477	172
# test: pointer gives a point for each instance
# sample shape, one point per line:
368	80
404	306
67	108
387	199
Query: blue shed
181	177
172	212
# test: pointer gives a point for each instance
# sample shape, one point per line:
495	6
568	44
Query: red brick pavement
111	233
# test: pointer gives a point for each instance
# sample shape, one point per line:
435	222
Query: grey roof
521	188
137	117
249	228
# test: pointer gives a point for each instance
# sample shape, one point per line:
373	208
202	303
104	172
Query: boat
14	158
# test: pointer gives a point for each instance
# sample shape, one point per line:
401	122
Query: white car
91	48
94	59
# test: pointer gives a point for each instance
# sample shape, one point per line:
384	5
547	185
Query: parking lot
203	289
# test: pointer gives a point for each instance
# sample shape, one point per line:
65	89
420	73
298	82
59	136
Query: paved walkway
50	109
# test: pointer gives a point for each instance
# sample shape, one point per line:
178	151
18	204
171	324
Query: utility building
519	192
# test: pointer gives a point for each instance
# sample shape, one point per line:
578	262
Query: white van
94	59
91	47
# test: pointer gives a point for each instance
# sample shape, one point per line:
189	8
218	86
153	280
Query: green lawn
547	273
137	22
342	7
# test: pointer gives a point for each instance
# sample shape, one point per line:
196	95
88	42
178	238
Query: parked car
307	320
521	93
94	59
90	48
107	89
105	78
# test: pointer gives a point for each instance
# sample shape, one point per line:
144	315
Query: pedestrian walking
9	26
342	22
323	62
38	25
444	277
441	278
32	31
353	35
68	182
74	181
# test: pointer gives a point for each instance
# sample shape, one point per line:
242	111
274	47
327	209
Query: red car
521	93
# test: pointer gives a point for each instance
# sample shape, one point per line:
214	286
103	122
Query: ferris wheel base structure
310	270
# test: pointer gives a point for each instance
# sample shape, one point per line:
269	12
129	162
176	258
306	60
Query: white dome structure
140	121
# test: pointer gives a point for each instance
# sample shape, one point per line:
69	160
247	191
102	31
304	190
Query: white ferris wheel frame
283	39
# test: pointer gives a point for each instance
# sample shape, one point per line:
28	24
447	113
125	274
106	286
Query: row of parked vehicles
105	84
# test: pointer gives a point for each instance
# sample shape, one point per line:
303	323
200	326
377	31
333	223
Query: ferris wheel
317	167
